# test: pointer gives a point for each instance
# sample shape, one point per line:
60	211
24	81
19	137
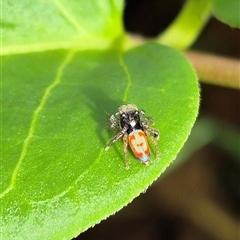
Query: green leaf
227	11
41	25
58	180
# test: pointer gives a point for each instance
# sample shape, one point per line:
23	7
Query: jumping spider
133	128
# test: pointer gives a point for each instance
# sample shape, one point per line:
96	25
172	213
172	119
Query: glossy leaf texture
57	178
227	11
42	25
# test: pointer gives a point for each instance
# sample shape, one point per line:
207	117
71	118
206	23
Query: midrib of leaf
69	17
36	113
128	76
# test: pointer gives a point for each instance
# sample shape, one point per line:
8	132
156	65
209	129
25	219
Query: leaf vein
33	123
69	17
128	76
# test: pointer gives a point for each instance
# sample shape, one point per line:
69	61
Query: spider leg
117	137
153	139
125	145
148	120
141	113
114	139
154	131
113	122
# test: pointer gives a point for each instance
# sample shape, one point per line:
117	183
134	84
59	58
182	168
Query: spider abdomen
139	145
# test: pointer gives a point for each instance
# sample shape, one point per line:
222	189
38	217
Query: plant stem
188	25
217	70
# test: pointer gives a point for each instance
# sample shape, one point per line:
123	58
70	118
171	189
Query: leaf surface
42	25
58	180
227	11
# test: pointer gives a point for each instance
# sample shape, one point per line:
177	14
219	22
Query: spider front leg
113	122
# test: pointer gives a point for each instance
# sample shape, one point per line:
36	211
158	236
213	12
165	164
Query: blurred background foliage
198	196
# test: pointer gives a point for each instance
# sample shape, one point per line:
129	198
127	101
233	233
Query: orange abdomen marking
139	145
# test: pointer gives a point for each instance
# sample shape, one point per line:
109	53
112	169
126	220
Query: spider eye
136	115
